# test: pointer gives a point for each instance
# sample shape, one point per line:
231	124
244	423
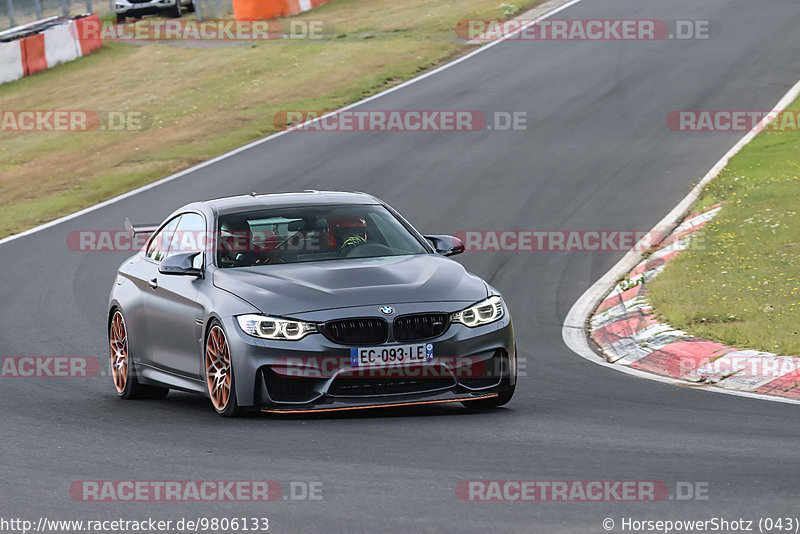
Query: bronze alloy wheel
218	368
118	350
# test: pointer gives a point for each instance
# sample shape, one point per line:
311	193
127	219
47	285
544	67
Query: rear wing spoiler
139	228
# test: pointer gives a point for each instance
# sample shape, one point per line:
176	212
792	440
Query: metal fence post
10	4
65	7
88	6
37	6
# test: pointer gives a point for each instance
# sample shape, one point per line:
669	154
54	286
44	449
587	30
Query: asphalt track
598	155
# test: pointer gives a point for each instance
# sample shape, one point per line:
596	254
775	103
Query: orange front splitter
373	406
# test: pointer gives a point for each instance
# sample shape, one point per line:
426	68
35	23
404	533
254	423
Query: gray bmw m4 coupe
305	302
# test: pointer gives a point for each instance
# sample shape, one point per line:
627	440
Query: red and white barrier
57	44
33	58
82	30
270	9
11	65
60	44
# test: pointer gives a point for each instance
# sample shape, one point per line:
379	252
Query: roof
304	198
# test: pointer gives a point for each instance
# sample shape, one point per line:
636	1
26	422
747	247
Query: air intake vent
436	379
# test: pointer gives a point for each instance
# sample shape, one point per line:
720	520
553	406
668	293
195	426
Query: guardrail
21	12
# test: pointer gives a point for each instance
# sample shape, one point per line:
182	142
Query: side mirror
446	245
181	265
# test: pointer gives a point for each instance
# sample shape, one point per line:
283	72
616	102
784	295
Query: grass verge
205	101
740	284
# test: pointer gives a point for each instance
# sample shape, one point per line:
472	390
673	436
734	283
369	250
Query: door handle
153	282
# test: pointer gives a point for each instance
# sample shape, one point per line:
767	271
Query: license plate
391	355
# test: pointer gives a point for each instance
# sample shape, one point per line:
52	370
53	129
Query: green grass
741	283
206	101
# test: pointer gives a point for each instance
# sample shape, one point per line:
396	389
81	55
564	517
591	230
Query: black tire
191	7
217	355
120	18
175	11
123	367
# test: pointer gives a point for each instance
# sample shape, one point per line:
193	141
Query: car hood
302	287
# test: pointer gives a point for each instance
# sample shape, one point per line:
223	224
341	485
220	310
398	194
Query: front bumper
315	374
442	399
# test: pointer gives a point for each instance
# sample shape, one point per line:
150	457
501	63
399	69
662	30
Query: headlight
274	328
485	312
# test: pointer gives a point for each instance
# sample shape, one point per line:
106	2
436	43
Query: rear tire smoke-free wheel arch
123	367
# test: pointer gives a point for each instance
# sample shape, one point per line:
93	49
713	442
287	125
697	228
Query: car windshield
312	233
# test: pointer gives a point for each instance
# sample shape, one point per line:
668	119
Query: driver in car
346	231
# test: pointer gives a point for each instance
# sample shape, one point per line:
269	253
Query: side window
159	245
189	236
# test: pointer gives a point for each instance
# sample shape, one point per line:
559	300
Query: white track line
283	132
576	323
